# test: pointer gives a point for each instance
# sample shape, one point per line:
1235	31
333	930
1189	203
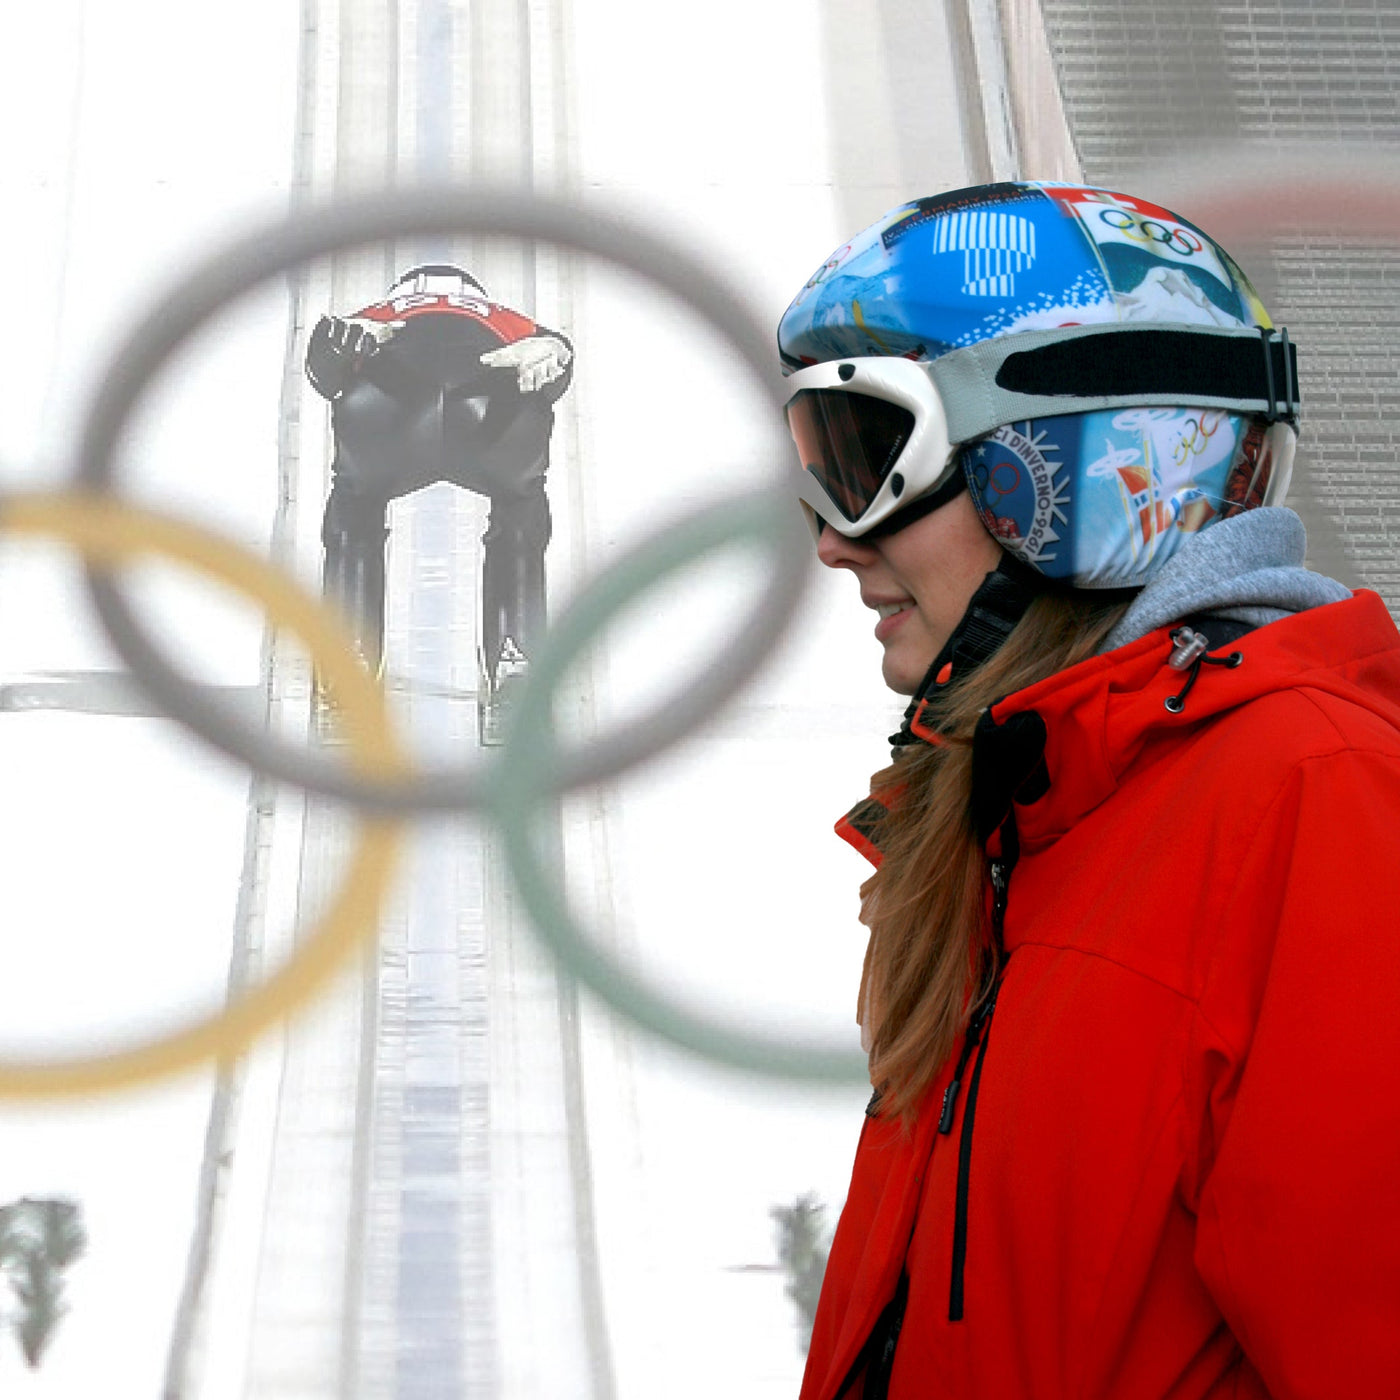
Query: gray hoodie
1246	569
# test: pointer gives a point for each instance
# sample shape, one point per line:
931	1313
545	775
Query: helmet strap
1000	602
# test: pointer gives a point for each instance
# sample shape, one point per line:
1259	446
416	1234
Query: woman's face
920	579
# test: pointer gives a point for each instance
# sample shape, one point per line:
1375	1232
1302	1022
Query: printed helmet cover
1100	499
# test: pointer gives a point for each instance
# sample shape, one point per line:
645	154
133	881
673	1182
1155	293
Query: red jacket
1183	1173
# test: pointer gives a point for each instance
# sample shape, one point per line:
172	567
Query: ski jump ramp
406	1195
400	1195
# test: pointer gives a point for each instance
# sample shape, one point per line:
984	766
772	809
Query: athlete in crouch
438	383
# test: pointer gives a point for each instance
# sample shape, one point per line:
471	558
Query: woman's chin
900	676
908	655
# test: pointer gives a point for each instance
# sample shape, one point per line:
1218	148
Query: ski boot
496	696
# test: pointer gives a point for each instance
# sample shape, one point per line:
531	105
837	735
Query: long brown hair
929	956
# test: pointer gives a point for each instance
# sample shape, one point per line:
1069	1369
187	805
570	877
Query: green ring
522	791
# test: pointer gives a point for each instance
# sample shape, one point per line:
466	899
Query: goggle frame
926	462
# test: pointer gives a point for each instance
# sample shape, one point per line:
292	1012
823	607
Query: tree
803	1245
39	1239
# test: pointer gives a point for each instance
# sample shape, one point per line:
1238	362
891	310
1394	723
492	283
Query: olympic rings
106	530
1200	435
525	781
1236	195
996	478
419	212
1180	240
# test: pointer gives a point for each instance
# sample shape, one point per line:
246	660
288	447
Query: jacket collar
1098	716
1050	754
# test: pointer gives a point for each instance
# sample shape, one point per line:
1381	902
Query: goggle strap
1083	369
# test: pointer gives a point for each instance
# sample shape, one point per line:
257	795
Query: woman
1132	992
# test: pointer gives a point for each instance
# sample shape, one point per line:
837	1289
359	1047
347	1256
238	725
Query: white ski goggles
876	434
872	436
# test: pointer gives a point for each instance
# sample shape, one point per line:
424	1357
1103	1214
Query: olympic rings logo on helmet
1179	238
1002	479
1202	428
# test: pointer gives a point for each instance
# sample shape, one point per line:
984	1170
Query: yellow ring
111	532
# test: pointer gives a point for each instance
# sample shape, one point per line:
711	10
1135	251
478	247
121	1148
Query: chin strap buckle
996	607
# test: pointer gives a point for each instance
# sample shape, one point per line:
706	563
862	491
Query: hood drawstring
1190	649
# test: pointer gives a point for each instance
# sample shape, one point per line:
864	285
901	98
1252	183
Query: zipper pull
1000	873
974	1034
950	1104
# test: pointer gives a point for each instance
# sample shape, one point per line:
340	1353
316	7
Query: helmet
1097	371
436	279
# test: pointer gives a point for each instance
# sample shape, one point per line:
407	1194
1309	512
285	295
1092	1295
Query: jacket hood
1096	719
1246	569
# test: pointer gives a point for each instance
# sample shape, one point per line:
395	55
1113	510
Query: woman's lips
887	625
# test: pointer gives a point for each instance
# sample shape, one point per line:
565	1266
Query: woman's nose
839	551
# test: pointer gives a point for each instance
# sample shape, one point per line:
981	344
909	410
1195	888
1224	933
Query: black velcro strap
1008	765
1191	364
999	603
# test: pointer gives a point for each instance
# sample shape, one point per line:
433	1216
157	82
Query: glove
537	360
352	337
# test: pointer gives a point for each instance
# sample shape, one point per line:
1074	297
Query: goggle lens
849	442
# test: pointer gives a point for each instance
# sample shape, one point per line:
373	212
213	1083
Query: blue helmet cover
1100	499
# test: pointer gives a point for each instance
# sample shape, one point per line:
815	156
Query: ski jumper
1171	1166
422	409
